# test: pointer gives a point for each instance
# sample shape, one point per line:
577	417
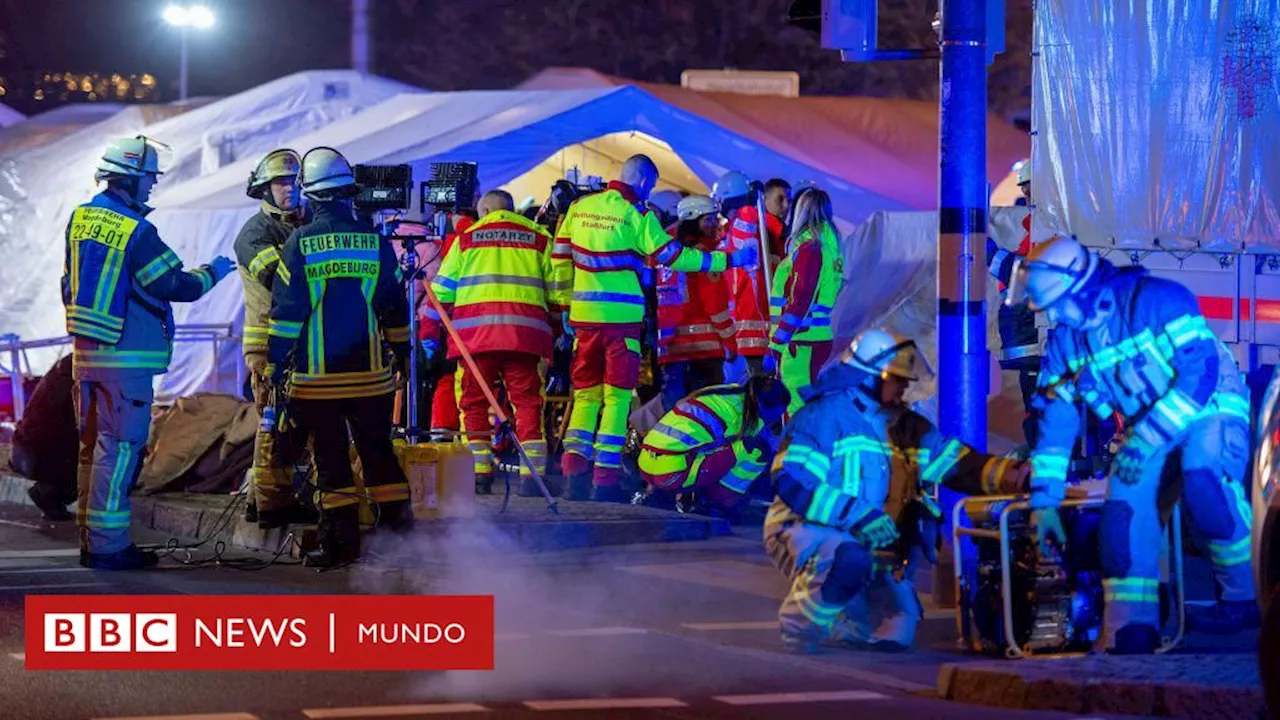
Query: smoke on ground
533	593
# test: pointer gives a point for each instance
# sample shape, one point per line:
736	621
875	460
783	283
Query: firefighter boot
1223	617
339	538
484	483
49	503
578	487
396	516
130	558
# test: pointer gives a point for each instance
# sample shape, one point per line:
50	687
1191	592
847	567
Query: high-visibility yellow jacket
118	281
257	250
498	279
601	247
805	287
335	301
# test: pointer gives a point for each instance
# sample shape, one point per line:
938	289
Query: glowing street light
183	17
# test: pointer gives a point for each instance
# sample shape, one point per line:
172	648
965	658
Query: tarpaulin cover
891	281
1156	123
40	186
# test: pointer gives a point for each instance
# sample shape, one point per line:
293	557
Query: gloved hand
1048	525
1133	457
745	256
1017	479
276	374
770	363
430	347
564	320
759	446
877	530
221	267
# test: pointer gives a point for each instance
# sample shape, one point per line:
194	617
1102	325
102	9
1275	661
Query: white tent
9	116
524	140
40	186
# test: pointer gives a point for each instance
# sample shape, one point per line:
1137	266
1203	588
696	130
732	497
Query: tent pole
962	223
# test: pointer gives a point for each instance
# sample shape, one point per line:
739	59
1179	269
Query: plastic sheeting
1156	123
39	187
891	281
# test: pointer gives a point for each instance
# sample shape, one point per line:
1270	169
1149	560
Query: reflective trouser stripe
613	427
537	452
482	456
389	492
581	436
340	497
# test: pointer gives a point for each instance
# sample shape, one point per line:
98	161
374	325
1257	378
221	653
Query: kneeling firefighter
1123	341
856	482
716	442
336	300
274	182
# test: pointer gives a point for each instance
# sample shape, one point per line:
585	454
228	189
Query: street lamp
183	17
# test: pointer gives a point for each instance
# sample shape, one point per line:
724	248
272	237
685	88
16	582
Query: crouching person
714	443
855	482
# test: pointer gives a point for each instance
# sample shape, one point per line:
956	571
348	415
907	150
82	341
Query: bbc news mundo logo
300	632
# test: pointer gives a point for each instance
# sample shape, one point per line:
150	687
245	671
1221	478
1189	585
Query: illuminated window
39	94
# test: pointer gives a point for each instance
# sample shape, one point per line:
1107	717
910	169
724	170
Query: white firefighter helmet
694	207
325	169
731	185
1054	269
276	164
665	201
129	157
884	354
1023	169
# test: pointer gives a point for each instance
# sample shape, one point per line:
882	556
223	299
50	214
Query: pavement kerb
1020	685
205	517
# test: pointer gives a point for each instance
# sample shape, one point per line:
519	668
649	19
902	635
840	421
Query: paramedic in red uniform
695	332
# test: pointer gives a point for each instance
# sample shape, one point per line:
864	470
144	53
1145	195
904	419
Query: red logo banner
259	632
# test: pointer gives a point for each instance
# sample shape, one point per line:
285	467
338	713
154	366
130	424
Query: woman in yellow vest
804	292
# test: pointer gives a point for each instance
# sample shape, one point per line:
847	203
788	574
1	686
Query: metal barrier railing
16	350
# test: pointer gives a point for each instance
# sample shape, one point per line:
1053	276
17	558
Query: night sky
254	41
477	44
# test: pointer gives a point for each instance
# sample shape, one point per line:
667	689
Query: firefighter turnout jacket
705	423
693	313
749	297
336	299
119	279
601	248
844	456
805	287
496	283
1152	359
1019	336
257	250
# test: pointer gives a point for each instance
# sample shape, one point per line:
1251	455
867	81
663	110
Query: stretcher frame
1015	503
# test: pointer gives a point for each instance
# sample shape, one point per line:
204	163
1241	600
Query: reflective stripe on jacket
747	289
693	314
496	283
700	424
336	299
601	248
805	288
118	281
257	249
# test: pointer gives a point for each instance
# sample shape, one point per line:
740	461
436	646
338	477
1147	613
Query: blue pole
962	224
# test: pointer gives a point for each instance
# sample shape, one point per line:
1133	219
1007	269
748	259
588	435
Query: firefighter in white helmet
1128	343
274	183
119	280
336	304
856	483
